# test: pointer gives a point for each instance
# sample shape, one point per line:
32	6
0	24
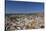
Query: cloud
29	0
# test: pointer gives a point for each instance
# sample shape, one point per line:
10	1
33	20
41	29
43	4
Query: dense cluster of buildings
23	22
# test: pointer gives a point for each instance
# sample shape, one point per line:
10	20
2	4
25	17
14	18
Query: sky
24	7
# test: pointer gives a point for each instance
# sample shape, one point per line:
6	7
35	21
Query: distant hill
23	14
